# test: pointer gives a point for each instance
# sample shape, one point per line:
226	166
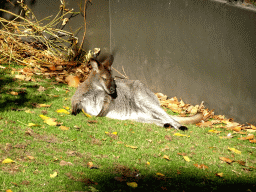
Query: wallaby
101	95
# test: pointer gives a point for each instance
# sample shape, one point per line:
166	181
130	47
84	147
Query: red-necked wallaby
101	95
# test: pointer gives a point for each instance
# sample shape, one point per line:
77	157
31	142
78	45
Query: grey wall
196	50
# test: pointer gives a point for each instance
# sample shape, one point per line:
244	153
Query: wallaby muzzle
112	89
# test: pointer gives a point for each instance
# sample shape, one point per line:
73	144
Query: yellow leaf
160	174
148	163
180	135
219	174
166	157
214	131
7	161
28	111
54	174
186	158
44	105
50	121
234	150
115	133
44	117
132	184
33	125
66	107
62	111
253	127
133	147
86	114
8	190
64	128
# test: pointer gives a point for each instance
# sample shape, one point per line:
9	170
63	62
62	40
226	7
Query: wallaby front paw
75	109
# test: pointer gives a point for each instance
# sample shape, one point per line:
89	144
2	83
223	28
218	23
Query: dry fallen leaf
252	141
44	105
64	128
30	157
21	77
234	150
160	174
205	124
73	81
180	135
6	161
166	157
249	137
50	121
241	162
214	131
237	129
33	125
130	146
219	174
227	160
201	166
132	184
86	114
44	117
14	93
186	158
54	174
62	111
90	164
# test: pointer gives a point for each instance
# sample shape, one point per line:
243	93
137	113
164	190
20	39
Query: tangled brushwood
45	49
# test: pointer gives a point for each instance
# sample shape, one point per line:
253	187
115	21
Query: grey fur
131	100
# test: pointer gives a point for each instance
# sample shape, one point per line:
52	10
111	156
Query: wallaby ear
95	65
108	62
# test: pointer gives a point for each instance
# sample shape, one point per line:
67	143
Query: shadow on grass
28	94
177	182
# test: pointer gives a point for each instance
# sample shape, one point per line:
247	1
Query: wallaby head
103	75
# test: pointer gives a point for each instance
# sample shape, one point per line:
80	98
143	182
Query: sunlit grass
115	162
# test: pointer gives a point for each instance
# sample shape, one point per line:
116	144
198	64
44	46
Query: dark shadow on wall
13	6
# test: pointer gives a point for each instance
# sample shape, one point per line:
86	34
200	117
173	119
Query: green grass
115	164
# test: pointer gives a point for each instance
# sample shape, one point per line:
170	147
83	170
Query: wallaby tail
189	120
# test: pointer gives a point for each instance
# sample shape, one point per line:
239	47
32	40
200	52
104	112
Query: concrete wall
196	50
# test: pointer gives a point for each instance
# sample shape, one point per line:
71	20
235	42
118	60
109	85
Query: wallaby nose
113	87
